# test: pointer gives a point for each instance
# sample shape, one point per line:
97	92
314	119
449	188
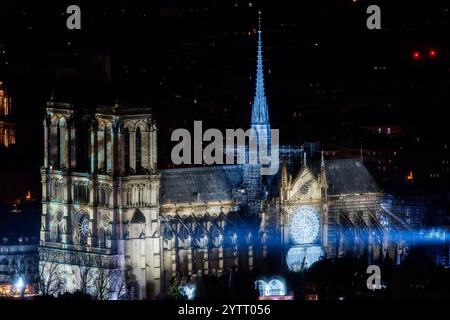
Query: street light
20	286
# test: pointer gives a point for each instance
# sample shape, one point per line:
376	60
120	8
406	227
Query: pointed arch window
127	149
107	148
58	146
138	149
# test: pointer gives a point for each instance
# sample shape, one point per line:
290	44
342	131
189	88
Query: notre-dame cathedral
107	205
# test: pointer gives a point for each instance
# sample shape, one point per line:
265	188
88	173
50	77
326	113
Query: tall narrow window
138	149
58	146
106	150
109	149
101	148
127	149
83	144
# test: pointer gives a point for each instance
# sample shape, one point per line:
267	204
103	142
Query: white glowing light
188	291
304	225
20	284
274	287
301	258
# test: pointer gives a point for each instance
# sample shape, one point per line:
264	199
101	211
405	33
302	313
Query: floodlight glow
189	291
301	258
274	287
19	284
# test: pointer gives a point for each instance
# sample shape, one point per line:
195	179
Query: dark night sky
326	73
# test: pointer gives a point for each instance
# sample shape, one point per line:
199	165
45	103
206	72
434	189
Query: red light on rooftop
432	53
416	55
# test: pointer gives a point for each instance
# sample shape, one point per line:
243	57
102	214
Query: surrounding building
19	232
18	179
18	258
7	128
108	212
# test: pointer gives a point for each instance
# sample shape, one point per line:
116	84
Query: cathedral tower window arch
127	149
138	149
58	146
104	147
108	148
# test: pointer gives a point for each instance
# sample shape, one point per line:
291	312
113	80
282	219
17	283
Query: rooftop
199	184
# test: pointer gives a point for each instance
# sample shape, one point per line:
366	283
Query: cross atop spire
260	112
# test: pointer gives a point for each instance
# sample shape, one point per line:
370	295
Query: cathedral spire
322	161
284	176
323	173
260	112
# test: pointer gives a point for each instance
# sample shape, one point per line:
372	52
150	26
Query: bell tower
100	196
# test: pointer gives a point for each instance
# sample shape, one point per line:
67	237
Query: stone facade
100	190
345	199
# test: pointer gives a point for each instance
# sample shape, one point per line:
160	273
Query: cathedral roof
344	176
199	184
349	176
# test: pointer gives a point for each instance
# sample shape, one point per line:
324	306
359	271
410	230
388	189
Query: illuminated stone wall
95	177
